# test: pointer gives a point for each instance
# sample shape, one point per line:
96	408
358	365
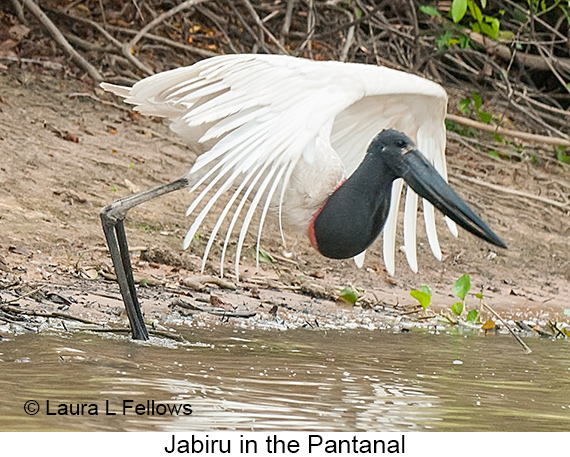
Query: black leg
112	218
125	277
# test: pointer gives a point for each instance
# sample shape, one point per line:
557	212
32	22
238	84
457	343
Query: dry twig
498	316
508	132
60	39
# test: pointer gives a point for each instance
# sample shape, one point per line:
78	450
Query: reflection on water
295	380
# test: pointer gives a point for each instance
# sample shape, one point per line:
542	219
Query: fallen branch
530	61
198	282
19	11
522	343
504	52
61	40
33	292
56	314
138	280
508	132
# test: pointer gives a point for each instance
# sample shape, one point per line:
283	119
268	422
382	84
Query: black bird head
404	160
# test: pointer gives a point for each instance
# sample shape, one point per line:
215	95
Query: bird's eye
401	144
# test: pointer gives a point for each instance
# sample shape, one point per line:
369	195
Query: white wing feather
259	115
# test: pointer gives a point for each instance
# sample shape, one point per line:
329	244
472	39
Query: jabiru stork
302	138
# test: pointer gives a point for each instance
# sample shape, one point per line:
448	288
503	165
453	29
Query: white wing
258	115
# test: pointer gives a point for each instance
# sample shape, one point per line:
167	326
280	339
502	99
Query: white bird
300	137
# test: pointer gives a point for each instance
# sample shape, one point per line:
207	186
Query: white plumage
282	132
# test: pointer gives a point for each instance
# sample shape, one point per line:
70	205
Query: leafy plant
445	40
460	129
480	23
472	316
264	256
483	24
430	10
562	155
460	289
423	296
477	101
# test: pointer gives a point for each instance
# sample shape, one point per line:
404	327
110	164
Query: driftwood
508	132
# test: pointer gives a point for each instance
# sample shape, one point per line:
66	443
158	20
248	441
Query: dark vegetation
504	62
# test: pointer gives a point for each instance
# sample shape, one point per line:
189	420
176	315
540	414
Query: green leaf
457	308
472	316
458	10
422	297
562	157
479	296
478	100
425	288
464	105
462	286
348	295
498	138
264	256
484	4
475	11
494	154
442	40
485	117
490	27
475	27
495	25
463	41
430	10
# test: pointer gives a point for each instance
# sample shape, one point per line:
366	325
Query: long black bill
424	179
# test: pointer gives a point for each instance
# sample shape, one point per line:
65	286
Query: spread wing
258	115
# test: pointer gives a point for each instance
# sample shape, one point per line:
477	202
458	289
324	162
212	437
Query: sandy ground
66	151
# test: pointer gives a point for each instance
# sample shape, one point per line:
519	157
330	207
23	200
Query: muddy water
296	380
